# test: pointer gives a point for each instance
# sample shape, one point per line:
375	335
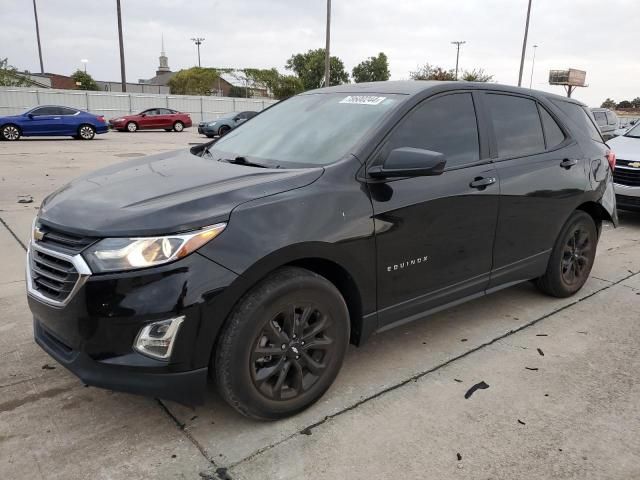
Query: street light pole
524	44
458	44
35	14
198	41
533	64
327	59
123	76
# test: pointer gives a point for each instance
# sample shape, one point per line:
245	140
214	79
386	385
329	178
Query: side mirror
30	115
410	162
143	114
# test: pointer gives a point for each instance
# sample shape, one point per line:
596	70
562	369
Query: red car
158	118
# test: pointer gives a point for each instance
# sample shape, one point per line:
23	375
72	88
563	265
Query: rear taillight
611	158
100	118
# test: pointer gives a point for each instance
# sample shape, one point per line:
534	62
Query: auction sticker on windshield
363	99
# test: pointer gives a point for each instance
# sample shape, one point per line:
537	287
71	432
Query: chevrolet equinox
334	215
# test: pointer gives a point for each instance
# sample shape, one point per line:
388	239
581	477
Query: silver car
627	173
607	121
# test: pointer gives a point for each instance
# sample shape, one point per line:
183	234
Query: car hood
11	117
625	148
165	193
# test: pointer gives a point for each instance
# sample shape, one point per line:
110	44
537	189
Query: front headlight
116	254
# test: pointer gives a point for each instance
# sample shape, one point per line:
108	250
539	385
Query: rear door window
553	134
446	124
580	118
516	125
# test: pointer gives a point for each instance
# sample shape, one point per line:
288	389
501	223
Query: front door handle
567	163
482	182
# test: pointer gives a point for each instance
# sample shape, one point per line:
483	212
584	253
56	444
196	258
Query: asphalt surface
556	392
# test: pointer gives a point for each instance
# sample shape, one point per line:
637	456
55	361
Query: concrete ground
562	399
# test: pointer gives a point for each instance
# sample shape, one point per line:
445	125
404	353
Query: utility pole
198	41
524	45
327	59
35	14
458	44
123	76
533	64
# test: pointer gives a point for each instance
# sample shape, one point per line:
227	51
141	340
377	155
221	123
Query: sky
601	37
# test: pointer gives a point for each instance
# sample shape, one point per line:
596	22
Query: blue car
51	120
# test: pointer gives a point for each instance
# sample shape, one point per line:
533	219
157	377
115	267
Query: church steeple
164	61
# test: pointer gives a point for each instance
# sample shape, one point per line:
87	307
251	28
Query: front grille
51	276
68	242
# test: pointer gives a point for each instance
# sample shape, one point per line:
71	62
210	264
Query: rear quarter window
579	116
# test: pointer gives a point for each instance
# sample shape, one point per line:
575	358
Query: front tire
86	132
178	126
572	257
132	127
10	133
283	345
223	130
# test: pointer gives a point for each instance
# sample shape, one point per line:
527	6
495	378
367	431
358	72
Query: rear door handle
482	182
567	163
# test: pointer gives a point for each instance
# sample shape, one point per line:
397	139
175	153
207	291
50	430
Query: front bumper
627	198
185	387
92	333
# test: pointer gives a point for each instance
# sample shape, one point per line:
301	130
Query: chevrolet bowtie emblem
634	164
38	234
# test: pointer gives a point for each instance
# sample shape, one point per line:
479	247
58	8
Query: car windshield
306	130
634	131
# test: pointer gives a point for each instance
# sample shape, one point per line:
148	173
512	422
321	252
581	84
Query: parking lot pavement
396	408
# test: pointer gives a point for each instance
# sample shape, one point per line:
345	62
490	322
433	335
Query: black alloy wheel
283	344
572	257
223	130
576	257
290	353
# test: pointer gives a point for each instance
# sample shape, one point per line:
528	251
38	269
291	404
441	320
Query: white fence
14	100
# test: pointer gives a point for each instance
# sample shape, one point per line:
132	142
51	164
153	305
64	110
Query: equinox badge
408	263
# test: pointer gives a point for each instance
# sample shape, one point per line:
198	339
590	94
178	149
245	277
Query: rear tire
178	126
10	133
86	132
283	345
572	257
132	127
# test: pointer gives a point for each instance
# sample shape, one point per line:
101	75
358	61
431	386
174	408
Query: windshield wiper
242	161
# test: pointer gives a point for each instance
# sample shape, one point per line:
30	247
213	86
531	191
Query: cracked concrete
398	406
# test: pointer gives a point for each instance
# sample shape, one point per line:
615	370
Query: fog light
156	339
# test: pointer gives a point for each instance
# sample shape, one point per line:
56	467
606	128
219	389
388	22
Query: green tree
476	75
287	86
432	72
309	67
84	81
374	69
281	86
625	104
10	77
636	102
609	103
194	81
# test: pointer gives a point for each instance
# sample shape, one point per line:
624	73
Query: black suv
328	217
